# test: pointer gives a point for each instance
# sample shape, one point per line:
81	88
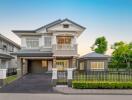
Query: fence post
2	76
69	76
54	76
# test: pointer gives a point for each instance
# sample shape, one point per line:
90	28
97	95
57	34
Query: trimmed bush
101	85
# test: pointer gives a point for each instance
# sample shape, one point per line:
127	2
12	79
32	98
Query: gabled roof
2	37
48	26
95	55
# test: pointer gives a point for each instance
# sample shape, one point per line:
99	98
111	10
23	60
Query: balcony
65	49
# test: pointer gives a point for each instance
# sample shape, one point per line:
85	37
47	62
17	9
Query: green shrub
101	85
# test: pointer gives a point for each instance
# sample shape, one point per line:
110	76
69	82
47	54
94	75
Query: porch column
74	62
19	67
25	65
54	62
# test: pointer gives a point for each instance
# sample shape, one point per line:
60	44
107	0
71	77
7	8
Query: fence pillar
54	76
70	76
2	76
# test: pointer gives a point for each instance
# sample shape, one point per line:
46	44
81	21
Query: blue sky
109	18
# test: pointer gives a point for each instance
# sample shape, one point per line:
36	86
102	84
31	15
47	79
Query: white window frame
98	65
49	45
32	39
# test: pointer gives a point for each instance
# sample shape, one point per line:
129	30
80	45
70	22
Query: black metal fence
61	77
112	75
11	71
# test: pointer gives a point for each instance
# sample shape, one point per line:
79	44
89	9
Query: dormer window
65	25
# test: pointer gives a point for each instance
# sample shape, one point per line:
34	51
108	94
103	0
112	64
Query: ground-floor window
62	64
97	65
44	63
81	65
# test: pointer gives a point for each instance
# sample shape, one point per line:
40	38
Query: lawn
10	79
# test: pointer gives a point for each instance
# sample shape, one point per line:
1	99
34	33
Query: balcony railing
65	47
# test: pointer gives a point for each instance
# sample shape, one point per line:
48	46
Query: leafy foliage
122	53
100	45
101	85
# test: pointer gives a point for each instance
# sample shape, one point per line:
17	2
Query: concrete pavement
20	96
31	83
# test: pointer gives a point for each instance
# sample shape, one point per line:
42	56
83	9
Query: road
20	96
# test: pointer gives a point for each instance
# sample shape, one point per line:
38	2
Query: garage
37	66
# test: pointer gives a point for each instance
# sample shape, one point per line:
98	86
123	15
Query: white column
3	73
70	76
54	76
70	73
54	73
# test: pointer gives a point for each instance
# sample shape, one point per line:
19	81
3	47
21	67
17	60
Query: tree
100	45
122	53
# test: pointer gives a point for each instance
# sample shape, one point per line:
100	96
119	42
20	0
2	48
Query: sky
109	18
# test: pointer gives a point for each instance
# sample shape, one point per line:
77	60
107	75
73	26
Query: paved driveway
31	83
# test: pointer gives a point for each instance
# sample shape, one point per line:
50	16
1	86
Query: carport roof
33	53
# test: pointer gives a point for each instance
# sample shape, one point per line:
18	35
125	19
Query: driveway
31	83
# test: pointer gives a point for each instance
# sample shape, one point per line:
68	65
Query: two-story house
51	46
6	48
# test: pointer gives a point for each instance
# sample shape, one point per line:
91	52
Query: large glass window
32	42
62	64
64	39
97	65
47	41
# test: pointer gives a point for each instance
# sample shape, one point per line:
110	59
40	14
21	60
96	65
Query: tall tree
122	53
100	45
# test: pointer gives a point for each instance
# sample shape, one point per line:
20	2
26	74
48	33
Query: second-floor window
32	42
47	41
64	39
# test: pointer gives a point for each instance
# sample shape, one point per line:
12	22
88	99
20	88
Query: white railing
65	47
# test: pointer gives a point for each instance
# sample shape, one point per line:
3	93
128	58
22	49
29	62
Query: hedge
101	85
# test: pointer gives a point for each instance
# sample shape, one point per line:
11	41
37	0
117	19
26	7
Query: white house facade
51	46
6	48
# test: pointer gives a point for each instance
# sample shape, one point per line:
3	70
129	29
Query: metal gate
61	77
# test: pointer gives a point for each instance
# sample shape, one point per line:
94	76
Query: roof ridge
52	23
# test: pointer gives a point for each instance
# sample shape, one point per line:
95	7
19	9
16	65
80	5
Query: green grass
10	79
